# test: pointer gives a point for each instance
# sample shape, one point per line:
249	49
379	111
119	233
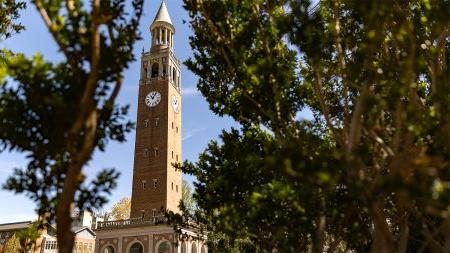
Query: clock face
152	99
175	104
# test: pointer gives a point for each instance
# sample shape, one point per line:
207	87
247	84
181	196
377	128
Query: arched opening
164	70
109	249
144	73
203	250
174	75
164	247
183	247
155	70
136	248
194	248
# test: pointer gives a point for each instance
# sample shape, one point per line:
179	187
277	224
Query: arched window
109	249
194	248
203	250
155	70
183	247
136	248
164	247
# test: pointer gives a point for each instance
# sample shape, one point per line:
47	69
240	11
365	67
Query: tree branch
50	26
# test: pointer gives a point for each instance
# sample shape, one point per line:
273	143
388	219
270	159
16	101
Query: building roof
14	226
80	229
162	16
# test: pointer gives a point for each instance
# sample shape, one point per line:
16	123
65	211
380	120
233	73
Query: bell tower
156	182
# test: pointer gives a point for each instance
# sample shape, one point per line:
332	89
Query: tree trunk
319	237
382	239
64	209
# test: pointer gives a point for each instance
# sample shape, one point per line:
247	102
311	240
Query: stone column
167	36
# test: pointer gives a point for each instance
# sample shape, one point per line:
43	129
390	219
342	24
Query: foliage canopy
9	13
369	170
58	114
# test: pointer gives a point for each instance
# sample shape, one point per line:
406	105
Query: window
164	247
154	212
144	184
177	158
136	248
51	245
156	122
142	214
164	70
172	186
172	154
145	152
90	247
177	188
85	247
203	250
177	130
155	183
172	125
109	249
155	70
146	122
156	152
194	248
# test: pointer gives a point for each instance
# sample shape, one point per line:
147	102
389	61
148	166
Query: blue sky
199	124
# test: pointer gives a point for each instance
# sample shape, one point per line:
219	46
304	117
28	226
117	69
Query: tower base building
156	182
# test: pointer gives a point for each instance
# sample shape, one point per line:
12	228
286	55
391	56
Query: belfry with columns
156	182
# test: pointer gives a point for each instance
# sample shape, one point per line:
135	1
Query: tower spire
162	29
162	16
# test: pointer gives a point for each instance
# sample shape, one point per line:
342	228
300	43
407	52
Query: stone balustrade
132	223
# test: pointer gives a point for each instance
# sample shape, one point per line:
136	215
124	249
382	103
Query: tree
187	200
27	237
121	210
58	114
11	245
23	240
9	13
369	170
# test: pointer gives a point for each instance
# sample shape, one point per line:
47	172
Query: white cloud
191	132
190	91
